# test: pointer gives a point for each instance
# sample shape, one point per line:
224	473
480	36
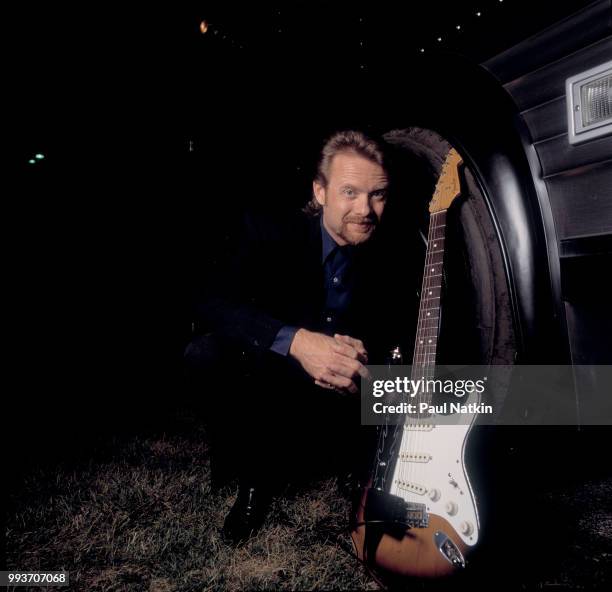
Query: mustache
360	220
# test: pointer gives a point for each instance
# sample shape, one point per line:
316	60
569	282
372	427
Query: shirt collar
329	244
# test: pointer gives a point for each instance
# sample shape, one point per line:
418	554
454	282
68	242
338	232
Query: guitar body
413	555
418	515
439	481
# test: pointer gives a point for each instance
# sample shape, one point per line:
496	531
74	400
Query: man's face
354	199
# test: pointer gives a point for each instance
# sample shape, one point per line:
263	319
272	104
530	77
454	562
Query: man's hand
334	363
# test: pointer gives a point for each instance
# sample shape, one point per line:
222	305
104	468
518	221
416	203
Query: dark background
155	137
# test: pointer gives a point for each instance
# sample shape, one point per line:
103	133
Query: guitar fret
429	307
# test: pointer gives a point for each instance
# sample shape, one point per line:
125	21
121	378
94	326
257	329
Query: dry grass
137	513
140	515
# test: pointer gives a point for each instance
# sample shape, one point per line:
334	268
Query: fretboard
428	324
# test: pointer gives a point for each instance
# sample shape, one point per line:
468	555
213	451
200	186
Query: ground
137	512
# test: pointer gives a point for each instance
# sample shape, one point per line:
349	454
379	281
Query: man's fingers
357	344
364	372
351	366
346	350
349	351
350	370
342	382
328	386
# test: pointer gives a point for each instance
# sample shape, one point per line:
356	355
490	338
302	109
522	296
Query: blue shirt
338	283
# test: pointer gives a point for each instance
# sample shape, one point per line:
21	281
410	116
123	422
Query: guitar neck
428	325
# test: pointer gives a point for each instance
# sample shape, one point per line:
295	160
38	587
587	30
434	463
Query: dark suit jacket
274	277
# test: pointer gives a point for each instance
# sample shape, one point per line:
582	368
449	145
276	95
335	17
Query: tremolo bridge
382	507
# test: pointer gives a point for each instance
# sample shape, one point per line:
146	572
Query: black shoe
247	514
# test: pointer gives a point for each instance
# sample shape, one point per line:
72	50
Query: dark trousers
267	420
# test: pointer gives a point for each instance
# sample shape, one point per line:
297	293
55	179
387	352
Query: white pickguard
430	470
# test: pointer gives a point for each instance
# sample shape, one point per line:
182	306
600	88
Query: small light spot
439	38
203	27
458	27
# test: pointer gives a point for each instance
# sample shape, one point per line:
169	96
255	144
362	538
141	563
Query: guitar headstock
448	187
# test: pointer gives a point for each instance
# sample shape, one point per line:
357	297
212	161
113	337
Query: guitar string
422	355
426	363
420	367
436	278
412	436
436	286
423	329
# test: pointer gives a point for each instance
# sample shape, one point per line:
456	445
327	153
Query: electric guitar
418	515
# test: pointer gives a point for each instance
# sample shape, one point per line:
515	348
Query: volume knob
466	528
434	495
451	508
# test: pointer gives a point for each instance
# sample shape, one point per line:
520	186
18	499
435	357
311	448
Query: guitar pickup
415	457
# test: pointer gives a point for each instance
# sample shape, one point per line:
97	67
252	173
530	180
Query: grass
137	513
140	514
